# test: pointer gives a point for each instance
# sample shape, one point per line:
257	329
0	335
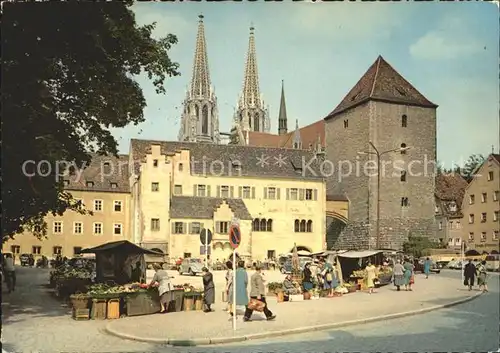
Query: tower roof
282	118
200	82
251	91
382	83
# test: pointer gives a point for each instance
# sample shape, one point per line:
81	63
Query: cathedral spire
282	119
252	113
200	117
297	141
200	82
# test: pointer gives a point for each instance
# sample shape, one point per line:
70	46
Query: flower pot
307	295
280	296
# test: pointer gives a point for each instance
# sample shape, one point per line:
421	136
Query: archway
472	252
335	224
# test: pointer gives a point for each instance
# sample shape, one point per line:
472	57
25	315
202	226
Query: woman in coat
164	287
209	289
482	276
307	278
398	273
241	285
408	275
427	267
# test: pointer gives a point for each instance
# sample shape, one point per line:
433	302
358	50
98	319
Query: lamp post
379	154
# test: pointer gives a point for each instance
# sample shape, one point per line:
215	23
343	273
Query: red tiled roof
496	156
308	135
383	83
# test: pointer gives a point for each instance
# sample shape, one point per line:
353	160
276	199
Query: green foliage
418	246
470	166
67	78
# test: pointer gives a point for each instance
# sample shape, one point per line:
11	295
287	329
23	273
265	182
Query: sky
448	51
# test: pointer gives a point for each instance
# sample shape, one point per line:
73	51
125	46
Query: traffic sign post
234	240
206	239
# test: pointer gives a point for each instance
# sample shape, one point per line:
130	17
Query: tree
68	77
470	167
418	246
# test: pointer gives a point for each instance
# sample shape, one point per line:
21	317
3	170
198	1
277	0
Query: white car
191	266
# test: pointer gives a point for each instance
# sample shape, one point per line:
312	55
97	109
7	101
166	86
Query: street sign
204	248
234	236
205	236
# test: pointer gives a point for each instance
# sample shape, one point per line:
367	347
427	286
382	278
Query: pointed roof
200	82
382	83
308	134
251	91
282	118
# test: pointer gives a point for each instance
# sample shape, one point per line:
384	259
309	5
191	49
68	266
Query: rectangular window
224	191
483	217
77	250
484	197
155	187
178	228
246	192
490	176
202	191
472	199
155	224
15	249
495	195
471	236
117	229
404	202
36	250
496	216
271	193
440	225
483	236
98	205
178	190
114	185
458	241
77	228
57	250
97	228
118	206
58	226
155	163
90	184
294	194
309	194
222	227
471	218
346	124
195	228
496	234
459	225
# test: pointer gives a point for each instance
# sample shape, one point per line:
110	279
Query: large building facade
481	208
383	111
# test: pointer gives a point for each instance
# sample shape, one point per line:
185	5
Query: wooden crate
188	303
99	307
81	314
113	309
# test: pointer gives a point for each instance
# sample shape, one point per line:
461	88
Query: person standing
408	274
482	276
371	274
164	287
258	292
469	274
307	278
9	272
328	278
209	289
229	288
398	273
427	267
241	286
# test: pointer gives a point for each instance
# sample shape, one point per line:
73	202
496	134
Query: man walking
258	292
469	274
9	272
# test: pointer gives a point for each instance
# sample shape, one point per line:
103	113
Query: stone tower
282	118
200	117
383	114
251	113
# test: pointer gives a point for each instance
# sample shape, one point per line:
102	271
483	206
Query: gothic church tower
251	113
200	117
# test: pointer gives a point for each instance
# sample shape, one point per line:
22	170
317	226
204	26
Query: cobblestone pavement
34	321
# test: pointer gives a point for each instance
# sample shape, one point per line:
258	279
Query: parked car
24	259
419	266
455	264
191	266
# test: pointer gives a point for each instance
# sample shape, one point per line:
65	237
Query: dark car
25	259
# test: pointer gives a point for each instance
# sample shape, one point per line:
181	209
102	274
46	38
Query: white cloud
451	40
349	21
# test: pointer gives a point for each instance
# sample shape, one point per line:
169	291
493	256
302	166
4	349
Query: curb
221	340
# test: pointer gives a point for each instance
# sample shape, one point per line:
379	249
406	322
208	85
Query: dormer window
90	184
453	207
114	185
236	165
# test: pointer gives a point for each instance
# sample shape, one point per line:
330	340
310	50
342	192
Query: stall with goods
72	277
353	265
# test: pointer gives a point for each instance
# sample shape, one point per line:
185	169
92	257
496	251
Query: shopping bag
257	305
412	279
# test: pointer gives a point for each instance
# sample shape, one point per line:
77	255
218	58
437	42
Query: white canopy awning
359	254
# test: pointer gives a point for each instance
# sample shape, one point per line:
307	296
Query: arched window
256	225
204	121
263	225
403	146
269	225
404	121
309	226
256	123
297	226
302	226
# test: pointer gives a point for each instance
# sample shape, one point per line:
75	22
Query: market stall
353	265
